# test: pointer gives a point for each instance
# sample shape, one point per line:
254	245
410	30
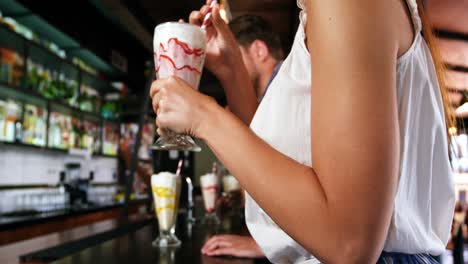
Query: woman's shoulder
366	20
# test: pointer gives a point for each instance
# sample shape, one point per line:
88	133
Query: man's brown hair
248	28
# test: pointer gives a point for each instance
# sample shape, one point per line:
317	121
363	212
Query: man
262	55
143	171
261	50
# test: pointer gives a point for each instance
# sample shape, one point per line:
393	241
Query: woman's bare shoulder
373	21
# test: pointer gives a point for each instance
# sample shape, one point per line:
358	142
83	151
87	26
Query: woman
366	104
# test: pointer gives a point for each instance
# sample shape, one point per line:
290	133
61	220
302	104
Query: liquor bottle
18	130
64	93
18	74
7	61
85	104
13	112
40	129
29	123
68	138
44	84
79	132
73	86
54	91
53	130
33	75
2	119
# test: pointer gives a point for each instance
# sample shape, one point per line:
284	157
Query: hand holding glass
179	50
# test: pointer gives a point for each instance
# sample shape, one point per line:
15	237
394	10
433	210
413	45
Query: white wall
24	166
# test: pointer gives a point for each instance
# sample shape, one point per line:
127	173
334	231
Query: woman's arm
340	209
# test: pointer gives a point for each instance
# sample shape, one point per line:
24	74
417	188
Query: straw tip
179	167
208	15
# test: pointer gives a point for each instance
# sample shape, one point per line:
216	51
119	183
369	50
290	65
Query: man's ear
259	49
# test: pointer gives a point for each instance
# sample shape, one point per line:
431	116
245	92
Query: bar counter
11	253
18	227
136	248
16	221
133	244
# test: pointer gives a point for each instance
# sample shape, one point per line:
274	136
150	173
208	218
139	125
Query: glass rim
184	24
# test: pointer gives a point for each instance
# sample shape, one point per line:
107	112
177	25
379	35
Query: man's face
249	62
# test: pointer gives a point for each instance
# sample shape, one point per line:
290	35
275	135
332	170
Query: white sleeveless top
425	198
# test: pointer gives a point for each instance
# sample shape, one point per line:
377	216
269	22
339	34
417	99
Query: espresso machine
75	186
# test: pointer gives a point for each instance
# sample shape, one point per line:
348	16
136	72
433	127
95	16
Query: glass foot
211	219
165	240
172	141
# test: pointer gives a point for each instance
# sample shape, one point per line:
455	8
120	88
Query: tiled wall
22	166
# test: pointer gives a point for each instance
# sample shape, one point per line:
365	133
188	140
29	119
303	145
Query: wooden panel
448	14
47	227
10	236
455	98
457	80
454	52
10	253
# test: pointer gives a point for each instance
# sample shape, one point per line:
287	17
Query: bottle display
52	84
34	80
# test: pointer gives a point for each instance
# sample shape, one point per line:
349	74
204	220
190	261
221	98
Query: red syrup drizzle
210	188
187	50
188	67
184	46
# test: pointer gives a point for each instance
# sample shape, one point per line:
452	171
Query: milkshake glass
179	50
166	192
210	189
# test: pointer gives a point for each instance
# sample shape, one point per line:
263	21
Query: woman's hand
232	245
224	60
178	106
222	50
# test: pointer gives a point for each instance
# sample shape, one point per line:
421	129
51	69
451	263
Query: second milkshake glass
166	192
210	191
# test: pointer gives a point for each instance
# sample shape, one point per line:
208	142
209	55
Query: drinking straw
208	15
179	167
214	169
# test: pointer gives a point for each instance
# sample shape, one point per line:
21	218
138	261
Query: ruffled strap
302	14
413	7
301	4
